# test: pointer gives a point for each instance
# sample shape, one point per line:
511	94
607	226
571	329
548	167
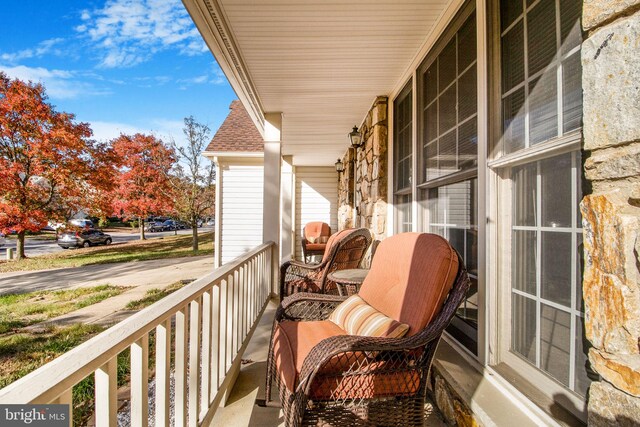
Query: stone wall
611	212
370	176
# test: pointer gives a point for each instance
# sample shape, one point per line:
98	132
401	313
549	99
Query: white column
286	209
217	248
271	203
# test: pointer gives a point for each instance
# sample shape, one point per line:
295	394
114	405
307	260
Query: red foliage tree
45	159
143	186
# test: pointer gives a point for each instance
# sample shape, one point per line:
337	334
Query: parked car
154	226
211	222
3	241
170	225
83	238
82	223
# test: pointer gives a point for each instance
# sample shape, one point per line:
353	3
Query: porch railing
212	319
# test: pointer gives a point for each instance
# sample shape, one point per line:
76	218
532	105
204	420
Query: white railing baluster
215	342
243	315
66	398
222	338
180	371
163	369
140	382
206	352
106	387
237	282
194	362
230	320
213	317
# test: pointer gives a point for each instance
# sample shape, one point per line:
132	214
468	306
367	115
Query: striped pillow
357	317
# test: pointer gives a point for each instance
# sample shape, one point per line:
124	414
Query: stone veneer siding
611	212
370	176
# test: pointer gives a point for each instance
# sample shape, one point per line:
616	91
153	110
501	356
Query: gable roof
237	132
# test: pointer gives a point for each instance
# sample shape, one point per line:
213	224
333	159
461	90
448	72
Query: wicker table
348	281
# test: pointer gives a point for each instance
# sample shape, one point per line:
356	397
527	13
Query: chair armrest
307	306
330	347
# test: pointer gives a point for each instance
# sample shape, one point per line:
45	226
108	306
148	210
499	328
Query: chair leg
270	368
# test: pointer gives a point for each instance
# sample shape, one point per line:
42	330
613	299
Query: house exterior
236	150
510	128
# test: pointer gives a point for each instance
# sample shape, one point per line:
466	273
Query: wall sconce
355	137
339	166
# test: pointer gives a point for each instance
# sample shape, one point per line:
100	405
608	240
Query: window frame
499	166
399	218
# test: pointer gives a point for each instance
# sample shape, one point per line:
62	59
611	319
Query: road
34	247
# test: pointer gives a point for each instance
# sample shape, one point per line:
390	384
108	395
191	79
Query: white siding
316	199
241	209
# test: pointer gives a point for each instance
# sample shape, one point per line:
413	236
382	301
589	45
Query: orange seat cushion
410	278
293	341
316	246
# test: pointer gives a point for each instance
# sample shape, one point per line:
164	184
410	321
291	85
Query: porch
198	358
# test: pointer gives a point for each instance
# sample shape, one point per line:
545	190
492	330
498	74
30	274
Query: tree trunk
20	246
194	233
141	224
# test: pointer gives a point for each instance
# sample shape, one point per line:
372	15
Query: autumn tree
45	157
193	176
143	185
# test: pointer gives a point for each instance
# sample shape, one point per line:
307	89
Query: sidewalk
142	276
138	273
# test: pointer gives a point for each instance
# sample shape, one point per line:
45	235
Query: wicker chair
345	249
326	377
315	237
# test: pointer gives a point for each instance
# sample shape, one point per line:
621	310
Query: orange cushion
292	342
316	246
410	278
316	229
334	239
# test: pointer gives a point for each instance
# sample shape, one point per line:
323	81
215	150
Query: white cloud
43	48
165	129
129	32
217	78
59	84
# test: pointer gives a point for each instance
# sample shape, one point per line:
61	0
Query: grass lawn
18	311
162	247
23	352
153	295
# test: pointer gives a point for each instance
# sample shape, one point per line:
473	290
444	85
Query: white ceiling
322	63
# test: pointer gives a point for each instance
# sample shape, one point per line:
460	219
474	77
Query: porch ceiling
320	63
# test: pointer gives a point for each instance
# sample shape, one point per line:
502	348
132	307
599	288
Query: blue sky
121	65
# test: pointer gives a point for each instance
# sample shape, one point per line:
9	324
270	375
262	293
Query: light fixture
339	166
355	137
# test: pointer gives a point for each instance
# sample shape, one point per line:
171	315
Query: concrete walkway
137	273
141	276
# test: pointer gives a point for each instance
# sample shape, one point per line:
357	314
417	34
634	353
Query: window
449	106
541	87
539	231
403	158
453	213
449	158
546	232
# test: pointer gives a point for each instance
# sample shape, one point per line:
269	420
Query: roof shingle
237	133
